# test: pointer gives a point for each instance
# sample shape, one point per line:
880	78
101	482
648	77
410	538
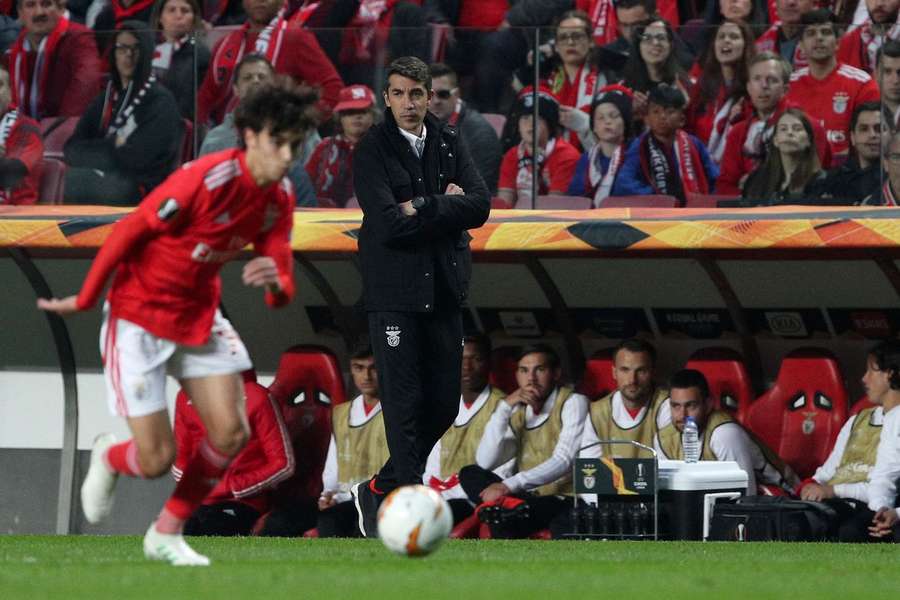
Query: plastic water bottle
690	441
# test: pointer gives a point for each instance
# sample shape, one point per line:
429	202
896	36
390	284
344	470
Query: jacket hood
144	68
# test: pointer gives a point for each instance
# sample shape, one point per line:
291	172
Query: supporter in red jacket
828	90
242	494
21	149
746	144
859	47
54	66
291	50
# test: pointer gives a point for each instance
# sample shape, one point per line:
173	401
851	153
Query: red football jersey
832	100
170	250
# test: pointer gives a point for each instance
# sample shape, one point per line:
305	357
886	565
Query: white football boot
97	488
171	548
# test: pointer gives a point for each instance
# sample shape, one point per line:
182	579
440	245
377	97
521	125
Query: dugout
762	281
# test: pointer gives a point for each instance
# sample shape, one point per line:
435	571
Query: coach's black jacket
402	256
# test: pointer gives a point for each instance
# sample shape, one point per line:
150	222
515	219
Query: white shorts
136	362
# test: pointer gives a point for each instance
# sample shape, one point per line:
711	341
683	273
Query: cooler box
683	489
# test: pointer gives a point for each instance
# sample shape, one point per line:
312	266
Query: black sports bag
772	518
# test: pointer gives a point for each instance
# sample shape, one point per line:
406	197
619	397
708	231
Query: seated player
242	494
636	410
666	159
457	447
357	449
721	437
539	425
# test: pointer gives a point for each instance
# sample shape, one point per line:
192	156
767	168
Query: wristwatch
418	202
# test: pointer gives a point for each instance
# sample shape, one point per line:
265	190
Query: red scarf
601	183
123	13
21	76
457	113
657	169
888	195
602	14
770	41
333	178
366	35
7	124
302	14
863	46
523	177
268	43
578	93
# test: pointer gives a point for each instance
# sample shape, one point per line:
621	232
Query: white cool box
687	492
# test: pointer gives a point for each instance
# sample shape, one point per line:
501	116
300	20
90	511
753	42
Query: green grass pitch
74	567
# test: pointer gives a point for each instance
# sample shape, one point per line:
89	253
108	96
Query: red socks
122	459
200	476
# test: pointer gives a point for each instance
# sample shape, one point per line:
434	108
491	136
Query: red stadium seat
801	415
52	181
307	384
598	378
56	131
706	200
648	201
861	404
556	203
496	121
503	368
729	383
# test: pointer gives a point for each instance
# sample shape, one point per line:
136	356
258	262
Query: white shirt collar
412	139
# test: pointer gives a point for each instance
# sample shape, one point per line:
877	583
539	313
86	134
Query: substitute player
161	316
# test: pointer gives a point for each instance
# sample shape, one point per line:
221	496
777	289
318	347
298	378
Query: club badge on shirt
393	335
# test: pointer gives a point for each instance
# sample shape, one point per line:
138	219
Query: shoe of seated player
97	488
171	548
366	503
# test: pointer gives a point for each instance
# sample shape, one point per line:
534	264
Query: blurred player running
162	317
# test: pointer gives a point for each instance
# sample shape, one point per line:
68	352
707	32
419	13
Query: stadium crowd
789	101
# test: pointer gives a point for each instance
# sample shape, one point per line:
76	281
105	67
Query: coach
419	191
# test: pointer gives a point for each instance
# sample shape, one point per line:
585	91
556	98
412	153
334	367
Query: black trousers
853	521
543	511
291	520
419	360
340	520
224	518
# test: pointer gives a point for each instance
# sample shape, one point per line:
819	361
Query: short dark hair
550	353
667	96
637	346
440	69
819	16
282	107
890	48
871	106
249	59
649	5
690	378
362	350
411	68
480	341
887	357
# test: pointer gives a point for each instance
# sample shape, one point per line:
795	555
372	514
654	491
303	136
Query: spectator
479	135
128	140
252	72
719	98
890	191
666	159
21	149
571	77
556	158
752	13
857	181
635	411
53	65
330	167
783	37
844	479
242	494
652	62
888	73
458	446
859	48
790	165
540	426
116	12
357	449
596	171
290	50
603	16
721	437
828	90
629	14
179	62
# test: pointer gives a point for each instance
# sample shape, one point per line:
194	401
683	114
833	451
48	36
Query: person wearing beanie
612	125
666	159
556	158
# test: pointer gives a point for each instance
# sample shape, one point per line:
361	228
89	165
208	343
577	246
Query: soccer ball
413	520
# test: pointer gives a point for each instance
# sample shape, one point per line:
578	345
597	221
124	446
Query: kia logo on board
786	324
